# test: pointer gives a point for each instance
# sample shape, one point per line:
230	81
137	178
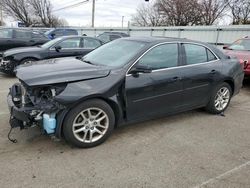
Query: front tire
89	124
27	60
220	99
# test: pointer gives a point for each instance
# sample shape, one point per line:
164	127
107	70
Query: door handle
176	78
213	71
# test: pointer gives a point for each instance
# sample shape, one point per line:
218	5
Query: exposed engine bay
34	106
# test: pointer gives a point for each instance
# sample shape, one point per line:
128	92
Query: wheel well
29	58
112	104
231	83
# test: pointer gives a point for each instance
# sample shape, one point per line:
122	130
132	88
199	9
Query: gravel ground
192	149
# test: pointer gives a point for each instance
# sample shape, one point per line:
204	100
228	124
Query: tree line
35	13
191	12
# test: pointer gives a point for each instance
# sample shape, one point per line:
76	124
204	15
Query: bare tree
59	22
179	12
213	10
19	10
147	15
240	11
43	10
32	12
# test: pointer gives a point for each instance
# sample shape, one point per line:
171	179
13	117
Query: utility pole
122	20
93	13
1	13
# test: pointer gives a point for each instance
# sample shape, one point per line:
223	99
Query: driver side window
160	57
70	43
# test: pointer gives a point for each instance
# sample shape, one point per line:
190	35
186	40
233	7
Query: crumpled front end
6	65
34	106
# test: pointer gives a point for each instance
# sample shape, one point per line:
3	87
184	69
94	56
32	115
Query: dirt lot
192	149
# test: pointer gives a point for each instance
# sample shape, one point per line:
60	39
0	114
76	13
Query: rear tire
89	124
220	99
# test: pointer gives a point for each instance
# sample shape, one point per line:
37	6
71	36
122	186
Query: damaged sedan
124	81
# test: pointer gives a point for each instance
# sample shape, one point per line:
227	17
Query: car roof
17	28
77	36
116	33
156	40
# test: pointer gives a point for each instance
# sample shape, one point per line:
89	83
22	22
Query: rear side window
113	37
104	37
197	54
163	56
210	56
20	34
91	43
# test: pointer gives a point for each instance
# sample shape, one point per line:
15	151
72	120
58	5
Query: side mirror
58	48
225	47
140	69
52	36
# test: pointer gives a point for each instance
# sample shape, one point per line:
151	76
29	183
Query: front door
157	92
68	47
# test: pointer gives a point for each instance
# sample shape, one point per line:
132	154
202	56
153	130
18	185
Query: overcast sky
107	13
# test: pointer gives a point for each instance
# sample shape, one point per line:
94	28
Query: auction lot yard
186	150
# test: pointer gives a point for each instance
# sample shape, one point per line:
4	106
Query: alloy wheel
90	125
222	98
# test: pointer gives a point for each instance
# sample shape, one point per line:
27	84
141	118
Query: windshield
115	53
51	43
242	44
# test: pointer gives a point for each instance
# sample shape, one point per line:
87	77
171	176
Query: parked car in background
241	50
59	47
124	81
16	37
55	33
109	36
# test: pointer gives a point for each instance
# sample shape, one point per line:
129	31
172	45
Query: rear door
201	70
157	92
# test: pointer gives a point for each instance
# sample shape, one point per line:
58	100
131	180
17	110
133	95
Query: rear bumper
238	83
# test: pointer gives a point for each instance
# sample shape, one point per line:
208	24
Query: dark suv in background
109	36
15	37
55	33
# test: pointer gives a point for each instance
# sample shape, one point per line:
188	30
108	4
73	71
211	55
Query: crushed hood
59	71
